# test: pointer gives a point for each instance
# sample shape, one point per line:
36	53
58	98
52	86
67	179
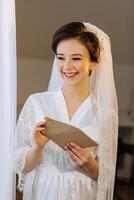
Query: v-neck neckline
81	110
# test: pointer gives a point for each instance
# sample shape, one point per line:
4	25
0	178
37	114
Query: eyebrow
75	54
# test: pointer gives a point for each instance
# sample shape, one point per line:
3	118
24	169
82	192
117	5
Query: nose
67	65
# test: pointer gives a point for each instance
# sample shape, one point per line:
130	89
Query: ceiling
37	20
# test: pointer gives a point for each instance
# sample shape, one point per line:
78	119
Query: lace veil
102	87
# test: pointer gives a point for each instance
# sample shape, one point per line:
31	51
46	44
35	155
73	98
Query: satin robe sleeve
22	144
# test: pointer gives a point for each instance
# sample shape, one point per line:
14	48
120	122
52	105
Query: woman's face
73	61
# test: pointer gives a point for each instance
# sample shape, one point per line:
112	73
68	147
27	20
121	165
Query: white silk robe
56	177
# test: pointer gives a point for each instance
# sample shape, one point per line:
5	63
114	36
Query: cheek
60	70
84	69
60	65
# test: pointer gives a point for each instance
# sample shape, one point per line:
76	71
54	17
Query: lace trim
21	182
107	158
26	121
24	128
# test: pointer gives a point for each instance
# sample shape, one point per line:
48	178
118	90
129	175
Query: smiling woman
74	61
80	98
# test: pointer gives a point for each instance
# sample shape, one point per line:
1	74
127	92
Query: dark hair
78	30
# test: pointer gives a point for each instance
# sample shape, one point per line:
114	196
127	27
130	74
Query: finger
40	129
75	146
40	123
77	153
73	156
83	157
83	151
65	147
43	132
40	133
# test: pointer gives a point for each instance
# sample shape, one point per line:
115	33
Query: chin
71	83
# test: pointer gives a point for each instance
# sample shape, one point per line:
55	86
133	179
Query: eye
76	58
60	58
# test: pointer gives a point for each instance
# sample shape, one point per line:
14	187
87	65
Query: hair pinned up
78	30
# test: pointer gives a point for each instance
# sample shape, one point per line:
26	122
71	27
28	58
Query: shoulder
43	97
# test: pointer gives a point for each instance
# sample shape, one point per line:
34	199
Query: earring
90	71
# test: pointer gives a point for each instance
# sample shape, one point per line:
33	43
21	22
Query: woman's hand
39	135
78	154
83	158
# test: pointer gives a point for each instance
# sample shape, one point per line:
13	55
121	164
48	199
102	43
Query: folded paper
62	133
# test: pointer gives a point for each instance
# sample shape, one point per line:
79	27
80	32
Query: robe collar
79	113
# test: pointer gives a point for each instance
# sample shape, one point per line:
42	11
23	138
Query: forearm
33	157
92	167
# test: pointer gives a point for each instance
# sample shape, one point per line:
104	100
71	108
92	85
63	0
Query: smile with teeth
71	74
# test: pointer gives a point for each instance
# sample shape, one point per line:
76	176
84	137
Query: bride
81	92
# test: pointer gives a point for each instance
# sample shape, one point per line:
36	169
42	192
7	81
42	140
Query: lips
70	74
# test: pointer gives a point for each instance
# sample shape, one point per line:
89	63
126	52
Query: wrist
38	148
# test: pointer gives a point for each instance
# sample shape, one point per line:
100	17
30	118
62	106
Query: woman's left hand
83	158
78	154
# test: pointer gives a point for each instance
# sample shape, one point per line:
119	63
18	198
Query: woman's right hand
39	137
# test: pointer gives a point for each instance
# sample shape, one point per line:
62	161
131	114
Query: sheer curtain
7	97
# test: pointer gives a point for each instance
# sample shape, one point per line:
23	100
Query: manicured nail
65	147
71	144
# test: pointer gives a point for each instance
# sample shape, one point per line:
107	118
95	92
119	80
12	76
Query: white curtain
7	97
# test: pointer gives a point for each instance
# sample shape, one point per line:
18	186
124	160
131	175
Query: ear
92	66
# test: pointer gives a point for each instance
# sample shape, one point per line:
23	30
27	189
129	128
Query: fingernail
65	147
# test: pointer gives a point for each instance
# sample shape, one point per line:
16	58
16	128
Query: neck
80	91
